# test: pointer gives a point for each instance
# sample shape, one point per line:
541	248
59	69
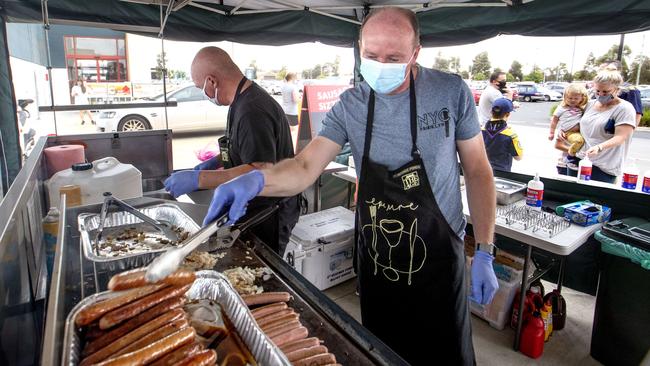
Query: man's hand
182	182
235	194
210	164
484	281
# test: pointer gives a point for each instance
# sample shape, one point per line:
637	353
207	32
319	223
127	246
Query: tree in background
536	75
441	63
161	61
282	73
644	75
481	66
464	74
588	70
612	55
316	72
454	64
515	71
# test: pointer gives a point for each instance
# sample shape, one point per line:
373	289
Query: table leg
560	276
522	297
317	186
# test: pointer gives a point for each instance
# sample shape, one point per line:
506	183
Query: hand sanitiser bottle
584	169
630	176
535	193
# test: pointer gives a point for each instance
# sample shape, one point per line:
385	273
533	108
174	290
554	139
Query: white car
193	112
550	95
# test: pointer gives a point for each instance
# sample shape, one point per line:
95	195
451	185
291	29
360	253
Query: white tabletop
349	174
334	167
563	243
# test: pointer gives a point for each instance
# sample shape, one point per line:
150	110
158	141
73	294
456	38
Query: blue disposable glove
182	182
235	193
210	164
484	281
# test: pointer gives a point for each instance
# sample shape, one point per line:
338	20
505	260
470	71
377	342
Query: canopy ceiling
336	22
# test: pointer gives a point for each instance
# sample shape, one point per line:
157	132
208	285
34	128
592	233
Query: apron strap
237	92
414	120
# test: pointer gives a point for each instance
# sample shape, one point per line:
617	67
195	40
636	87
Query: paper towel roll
62	157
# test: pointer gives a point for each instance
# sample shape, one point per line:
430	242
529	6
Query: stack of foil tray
120	221
209	285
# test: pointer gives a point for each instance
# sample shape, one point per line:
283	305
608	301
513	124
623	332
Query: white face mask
214	100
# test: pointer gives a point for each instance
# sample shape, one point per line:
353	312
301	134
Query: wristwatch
489	248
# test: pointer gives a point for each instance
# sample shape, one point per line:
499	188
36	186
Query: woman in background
78	94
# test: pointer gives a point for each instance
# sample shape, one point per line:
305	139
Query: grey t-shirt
567	116
488	96
597	127
440	97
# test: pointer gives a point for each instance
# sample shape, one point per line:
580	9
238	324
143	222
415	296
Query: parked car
645	98
557	87
476	93
550	95
193	112
529	93
272	87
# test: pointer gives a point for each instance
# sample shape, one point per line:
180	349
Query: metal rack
537	221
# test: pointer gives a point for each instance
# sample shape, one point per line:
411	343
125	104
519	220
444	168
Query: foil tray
119	221
210	285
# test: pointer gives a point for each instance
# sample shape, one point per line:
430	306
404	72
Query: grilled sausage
268	309
142	318
129	311
96	310
279	321
111	349
272	317
282	328
292	335
93	331
157	334
153	351
317	360
266	298
178	355
306	352
299	344
202	358
135	278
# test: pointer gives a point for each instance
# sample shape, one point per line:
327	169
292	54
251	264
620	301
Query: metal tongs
163	226
227	236
168	262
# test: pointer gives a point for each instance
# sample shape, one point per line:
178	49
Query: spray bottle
535	193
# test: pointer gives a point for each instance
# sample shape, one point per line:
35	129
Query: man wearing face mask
406	125
495	90
257	133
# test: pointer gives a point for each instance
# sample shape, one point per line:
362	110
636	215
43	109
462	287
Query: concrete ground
569	346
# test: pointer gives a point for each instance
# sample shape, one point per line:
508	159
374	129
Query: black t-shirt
259	132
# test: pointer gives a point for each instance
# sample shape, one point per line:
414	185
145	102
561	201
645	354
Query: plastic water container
103	175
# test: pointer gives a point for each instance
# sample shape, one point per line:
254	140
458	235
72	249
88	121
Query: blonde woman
607	126
78	94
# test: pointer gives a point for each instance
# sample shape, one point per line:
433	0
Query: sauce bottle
645	186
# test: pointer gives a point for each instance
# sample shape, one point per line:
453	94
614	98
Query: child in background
501	142
567	115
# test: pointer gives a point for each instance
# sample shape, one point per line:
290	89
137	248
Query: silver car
193	112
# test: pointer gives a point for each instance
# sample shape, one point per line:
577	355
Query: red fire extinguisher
532	337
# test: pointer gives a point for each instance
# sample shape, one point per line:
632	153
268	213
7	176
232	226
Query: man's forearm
287	178
209	179
481	197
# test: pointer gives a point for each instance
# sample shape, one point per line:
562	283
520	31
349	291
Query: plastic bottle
532	337
559	309
535	193
584	169
645	186
50	232
630	176
547	317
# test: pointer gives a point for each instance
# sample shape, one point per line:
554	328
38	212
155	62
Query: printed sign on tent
316	102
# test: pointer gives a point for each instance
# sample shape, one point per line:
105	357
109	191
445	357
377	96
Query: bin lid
324	227
624	250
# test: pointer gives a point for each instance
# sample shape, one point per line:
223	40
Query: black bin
621	332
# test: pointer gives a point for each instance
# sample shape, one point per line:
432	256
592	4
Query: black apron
410	263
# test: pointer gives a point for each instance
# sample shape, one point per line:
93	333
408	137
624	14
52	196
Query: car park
549	94
193	111
645	98
529	93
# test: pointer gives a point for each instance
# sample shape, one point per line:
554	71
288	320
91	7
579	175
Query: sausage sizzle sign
316	102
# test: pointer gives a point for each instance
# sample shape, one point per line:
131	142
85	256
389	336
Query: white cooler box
320	247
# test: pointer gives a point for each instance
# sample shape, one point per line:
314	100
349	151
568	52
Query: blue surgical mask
604	99
383	78
214	100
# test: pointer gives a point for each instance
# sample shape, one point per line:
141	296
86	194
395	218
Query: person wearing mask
501	142
607	126
496	89
290	100
257	133
406	125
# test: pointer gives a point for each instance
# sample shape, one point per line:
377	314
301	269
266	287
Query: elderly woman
607	126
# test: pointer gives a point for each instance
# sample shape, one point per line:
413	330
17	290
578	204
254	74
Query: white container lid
324	227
